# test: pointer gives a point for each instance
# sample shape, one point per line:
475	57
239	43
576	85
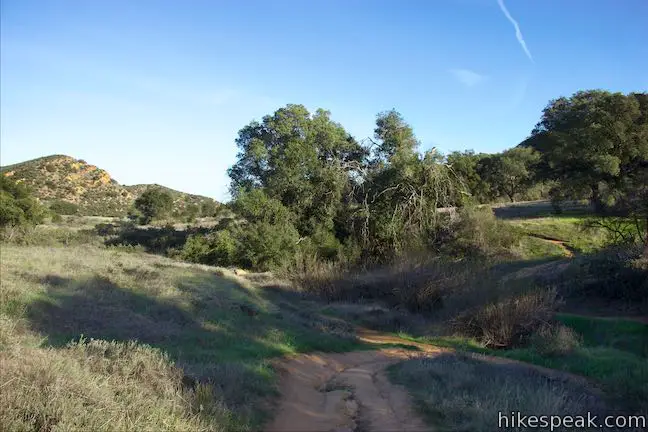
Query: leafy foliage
61	207
302	183
153	204
17	206
593	141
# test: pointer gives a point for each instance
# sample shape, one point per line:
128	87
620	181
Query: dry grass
467	393
100	386
555	340
508	322
465	298
176	346
414	283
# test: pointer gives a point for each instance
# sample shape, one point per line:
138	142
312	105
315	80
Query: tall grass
466	393
100	339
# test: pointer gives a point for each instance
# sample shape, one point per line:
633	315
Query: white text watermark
516	419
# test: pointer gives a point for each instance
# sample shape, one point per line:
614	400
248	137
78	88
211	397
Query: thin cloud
467	77
518	32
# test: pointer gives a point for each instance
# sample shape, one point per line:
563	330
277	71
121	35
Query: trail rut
350	392
344	392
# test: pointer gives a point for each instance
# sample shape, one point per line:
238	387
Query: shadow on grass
502	269
156	240
537	209
217	331
214	320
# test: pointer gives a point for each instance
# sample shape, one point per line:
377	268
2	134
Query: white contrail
518	33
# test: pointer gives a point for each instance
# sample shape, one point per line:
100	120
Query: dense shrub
267	241
64	207
618	273
154	203
509	321
260	246
17	206
219	248
478	234
265	246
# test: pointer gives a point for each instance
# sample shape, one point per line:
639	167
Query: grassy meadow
99	334
104	339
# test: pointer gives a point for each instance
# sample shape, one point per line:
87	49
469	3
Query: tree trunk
645	252
599	207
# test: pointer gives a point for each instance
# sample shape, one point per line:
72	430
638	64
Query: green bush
259	246
64	207
17	206
618	273
154	203
220	248
266	246
478	234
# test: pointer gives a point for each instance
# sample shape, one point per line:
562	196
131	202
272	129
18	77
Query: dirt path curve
569	251
350	392
347	391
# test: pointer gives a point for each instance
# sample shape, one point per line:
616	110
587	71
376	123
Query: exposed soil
350	391
344	392
569	251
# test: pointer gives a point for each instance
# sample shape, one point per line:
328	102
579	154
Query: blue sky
155	91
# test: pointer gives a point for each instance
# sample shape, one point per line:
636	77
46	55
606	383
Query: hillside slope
92	189
180	199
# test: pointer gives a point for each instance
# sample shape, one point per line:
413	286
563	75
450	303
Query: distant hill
92	189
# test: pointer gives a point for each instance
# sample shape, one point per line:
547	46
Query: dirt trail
569	251
350	392
347	391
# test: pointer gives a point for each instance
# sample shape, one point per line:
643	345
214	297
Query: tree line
591	145
304	188
303	185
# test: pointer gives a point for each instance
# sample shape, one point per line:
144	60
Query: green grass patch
623	375
613	354
618	333
535	248
567	229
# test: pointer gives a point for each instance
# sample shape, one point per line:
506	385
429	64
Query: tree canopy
592	141
302	185
154	203
17	206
